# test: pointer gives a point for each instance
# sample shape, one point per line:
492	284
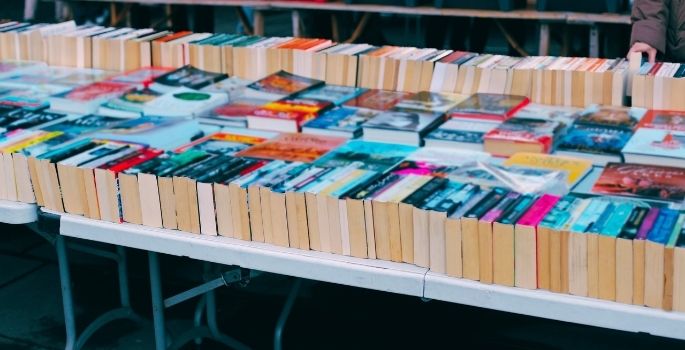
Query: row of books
568	81
283	102
658	86
428	206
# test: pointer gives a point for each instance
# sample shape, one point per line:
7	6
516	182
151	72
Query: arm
650	20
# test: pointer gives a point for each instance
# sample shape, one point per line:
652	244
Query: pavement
325	316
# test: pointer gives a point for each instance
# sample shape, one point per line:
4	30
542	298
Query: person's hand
644	48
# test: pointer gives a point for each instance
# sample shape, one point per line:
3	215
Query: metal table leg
73	339
157	301
285	313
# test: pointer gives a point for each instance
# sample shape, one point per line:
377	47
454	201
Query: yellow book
575	168
40	138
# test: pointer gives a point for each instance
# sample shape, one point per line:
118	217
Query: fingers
651	55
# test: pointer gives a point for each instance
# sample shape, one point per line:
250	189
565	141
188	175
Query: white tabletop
17	213
562	307
372	274
380	275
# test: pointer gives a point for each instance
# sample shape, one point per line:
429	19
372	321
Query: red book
665	120
495	107
522	135
643	181
287	115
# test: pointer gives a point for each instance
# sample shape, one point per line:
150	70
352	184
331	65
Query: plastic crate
408	3
591	6
502	5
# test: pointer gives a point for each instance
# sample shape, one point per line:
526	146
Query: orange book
293	147
173	36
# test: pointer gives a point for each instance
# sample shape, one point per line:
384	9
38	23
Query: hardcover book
335	94
340	121
620	117
460	134
286	115
594	141
375	156
522	135
489	107
380	100
667	120
656	147
403	127
642	181
430	102
293	147
186	76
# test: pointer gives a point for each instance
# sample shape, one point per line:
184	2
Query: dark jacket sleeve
650	20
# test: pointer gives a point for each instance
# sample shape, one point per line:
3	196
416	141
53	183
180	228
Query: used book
403	127
495	107
522	135
656	147
655	182
340	121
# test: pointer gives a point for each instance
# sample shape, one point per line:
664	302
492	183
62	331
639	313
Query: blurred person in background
659	29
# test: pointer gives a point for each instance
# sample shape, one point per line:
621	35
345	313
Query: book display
470	165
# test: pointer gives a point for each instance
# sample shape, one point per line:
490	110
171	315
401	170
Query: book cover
141	76
666	120
575	168
34	98
594	139
103	90
657	143
615	116
133	160
342	119
455	130
526	130
565	115
293	147
226	143
333	93
403	121
489	106
284	83
642	181
133	101
537	212
183	102
189	77
431	102
27	119
380	100
300	110
375	156
151	131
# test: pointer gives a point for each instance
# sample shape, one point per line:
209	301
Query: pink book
537	212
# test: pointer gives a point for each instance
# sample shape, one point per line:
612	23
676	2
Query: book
660	119
380	100
335	94
340	121
620	117
654	182
28	119
233	113
403	127
460	134
129	105
286	115
575	168
186	76
482	106
430	102
656	147
151	131
599	143
86	99
293	147
563	114
141	77
522	135
227	141
34	98
374	156
183	102
280	85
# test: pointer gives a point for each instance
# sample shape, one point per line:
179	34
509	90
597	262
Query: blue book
615	223
591	214
561	213
340	121
374	156
594	139
656	146
663	226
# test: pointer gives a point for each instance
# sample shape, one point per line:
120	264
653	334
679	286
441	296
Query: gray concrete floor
325	315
